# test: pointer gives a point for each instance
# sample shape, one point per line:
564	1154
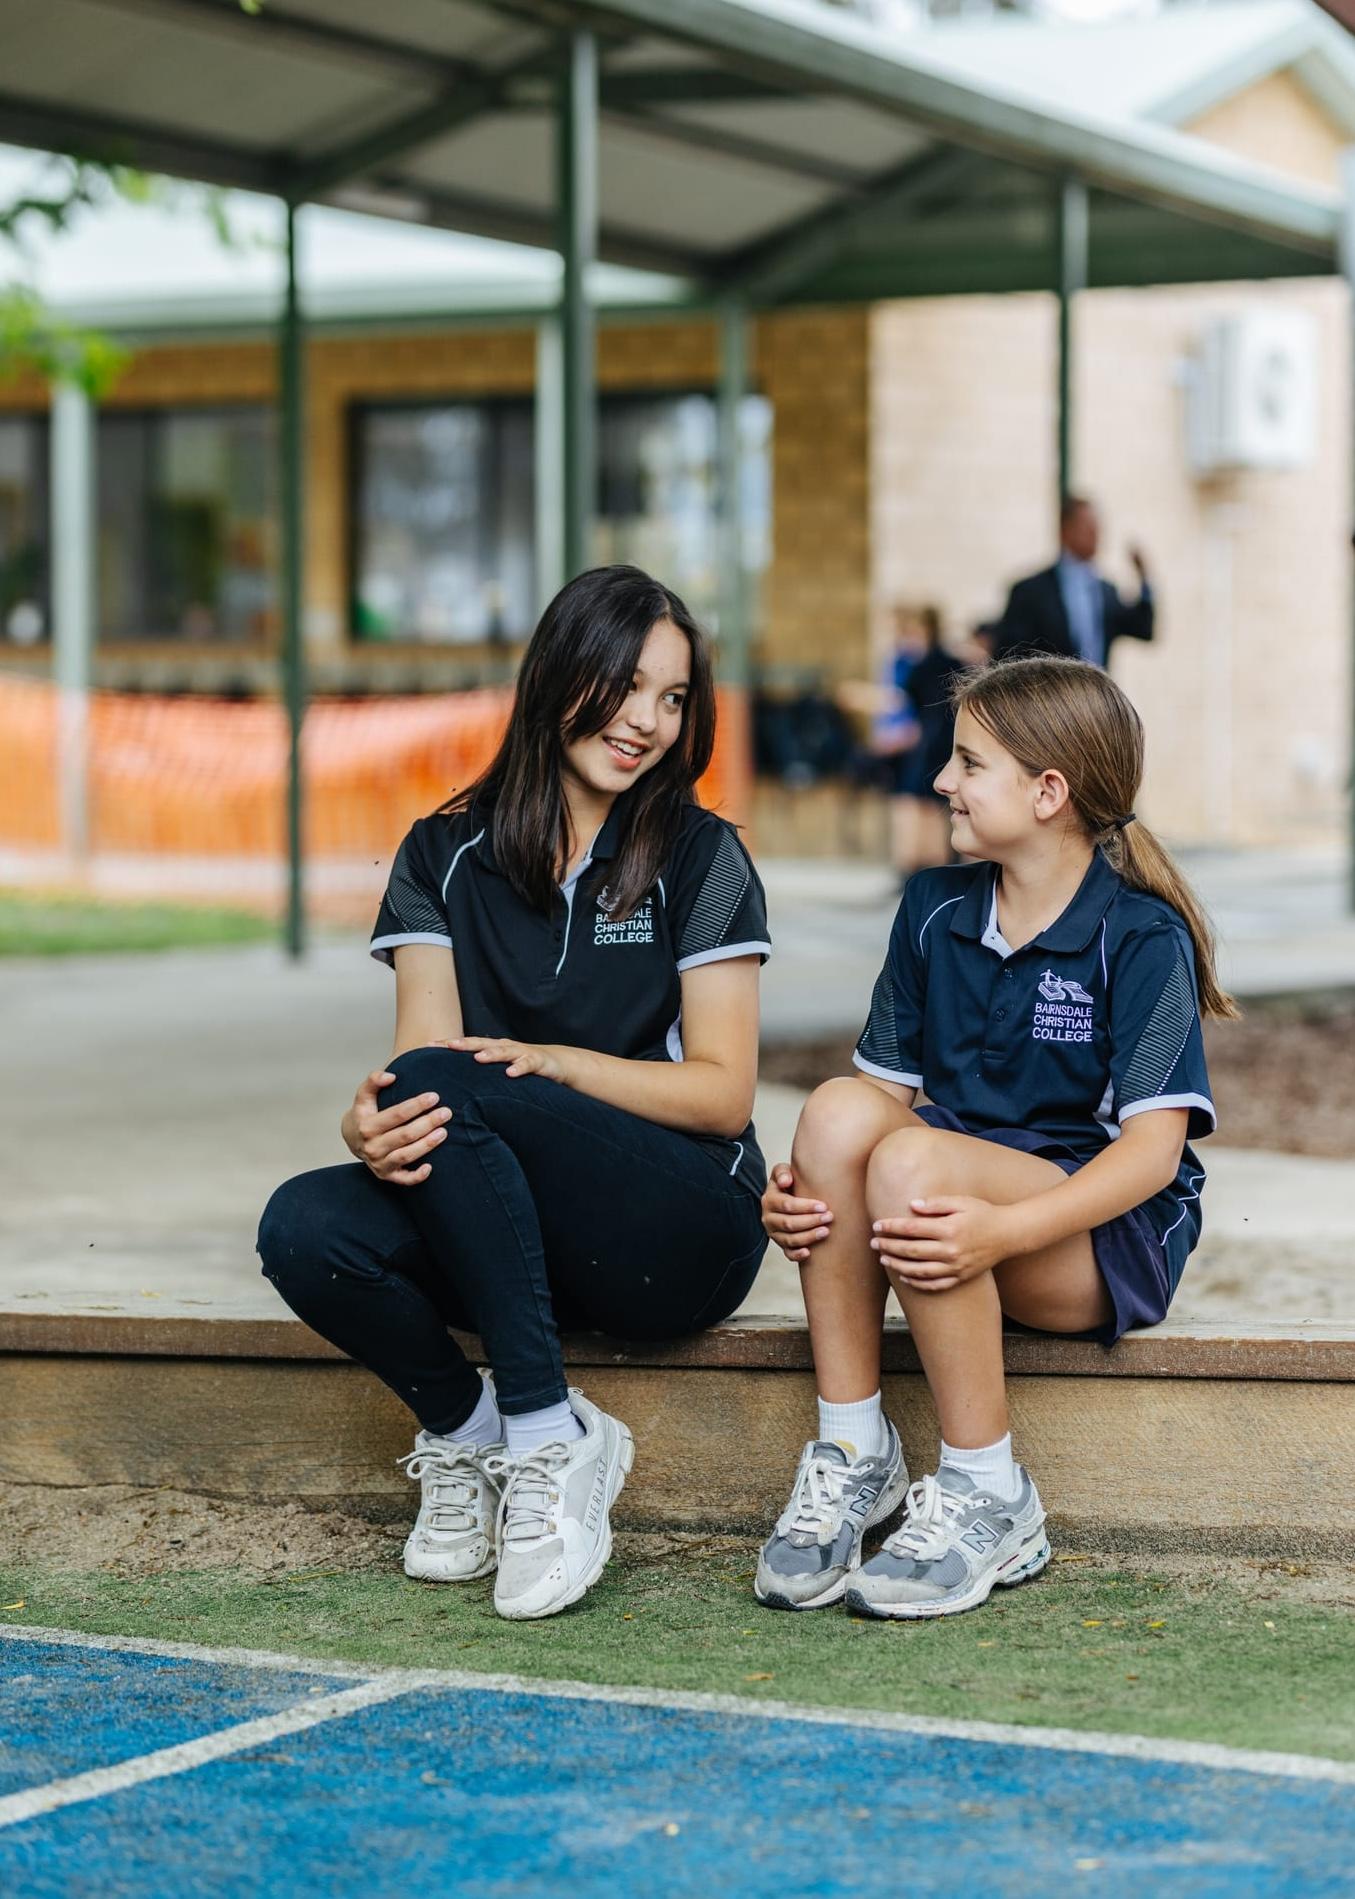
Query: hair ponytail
1071	716
1145	863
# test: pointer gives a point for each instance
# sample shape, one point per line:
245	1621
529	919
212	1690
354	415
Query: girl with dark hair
1046	1000
562	1134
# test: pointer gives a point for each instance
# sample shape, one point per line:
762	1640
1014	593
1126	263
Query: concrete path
154	1102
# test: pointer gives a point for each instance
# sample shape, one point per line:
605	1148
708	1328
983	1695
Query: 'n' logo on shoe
981	1536
864	1498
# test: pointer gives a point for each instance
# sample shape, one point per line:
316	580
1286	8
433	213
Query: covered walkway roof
780	150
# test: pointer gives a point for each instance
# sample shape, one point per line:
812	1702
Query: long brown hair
1069	716
575	676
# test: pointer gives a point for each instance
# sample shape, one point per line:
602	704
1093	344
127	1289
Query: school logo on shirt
1063	1010
636	928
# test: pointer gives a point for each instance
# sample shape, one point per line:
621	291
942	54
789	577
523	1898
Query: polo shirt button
998	1014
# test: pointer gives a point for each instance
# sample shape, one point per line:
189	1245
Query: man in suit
1069	609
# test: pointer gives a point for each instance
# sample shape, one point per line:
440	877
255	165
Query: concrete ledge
1183	1438
1312	1352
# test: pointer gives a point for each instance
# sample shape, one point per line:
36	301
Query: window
443	522
23	530
444	509
187	525
658	491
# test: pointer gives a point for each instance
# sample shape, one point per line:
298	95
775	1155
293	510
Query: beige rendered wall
1245	692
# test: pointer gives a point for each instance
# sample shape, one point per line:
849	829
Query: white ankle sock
484	1425
555	1424
992	1466
858	1427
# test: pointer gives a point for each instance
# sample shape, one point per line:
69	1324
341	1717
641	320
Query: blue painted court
162	1773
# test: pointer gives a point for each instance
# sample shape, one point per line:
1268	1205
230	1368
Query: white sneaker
554	1527
453	1539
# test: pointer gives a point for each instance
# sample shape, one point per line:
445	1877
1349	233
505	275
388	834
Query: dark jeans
543	1206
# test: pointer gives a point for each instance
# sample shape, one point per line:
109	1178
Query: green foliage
32	339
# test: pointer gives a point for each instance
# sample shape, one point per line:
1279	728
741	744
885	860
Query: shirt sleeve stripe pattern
1163	1039
411	905
715	908
879	1045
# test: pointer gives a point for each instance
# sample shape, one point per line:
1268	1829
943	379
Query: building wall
1245	692
1278	122
813	367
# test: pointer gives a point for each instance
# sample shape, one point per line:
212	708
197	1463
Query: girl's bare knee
840	1124
906	1165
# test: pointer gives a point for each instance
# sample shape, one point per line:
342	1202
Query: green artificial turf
1084	1647
72	926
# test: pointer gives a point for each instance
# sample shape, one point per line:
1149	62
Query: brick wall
813	366
1245	693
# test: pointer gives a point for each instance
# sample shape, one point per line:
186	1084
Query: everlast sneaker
554	1530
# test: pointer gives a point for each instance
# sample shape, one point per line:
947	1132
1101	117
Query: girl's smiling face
647	724
996	805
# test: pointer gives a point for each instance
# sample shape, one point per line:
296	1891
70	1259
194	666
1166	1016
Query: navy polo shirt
1093	1021
580	976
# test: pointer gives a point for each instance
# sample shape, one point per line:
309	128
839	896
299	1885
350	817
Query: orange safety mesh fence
192	779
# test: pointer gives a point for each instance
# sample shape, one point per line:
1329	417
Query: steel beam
473	93
137	143
577	189
291	438
776	266
1074	225
786	43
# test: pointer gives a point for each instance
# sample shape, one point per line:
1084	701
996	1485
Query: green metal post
73	559
1348	267
734	628
290	434
577	192
1073	224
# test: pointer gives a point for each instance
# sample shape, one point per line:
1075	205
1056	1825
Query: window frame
38	421
360	406
156	414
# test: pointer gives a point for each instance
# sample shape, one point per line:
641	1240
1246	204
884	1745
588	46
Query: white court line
187	1755
1139	1747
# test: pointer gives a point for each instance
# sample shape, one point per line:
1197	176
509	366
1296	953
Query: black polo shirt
580	977
1093	1021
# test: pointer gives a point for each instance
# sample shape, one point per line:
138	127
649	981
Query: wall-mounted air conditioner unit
1253	392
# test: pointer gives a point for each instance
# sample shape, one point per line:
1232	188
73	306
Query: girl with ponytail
1046	1000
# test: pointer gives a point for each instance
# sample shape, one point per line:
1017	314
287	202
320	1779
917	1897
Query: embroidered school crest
636	928
1063	1010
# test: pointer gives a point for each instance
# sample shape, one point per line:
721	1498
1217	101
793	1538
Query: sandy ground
135	1533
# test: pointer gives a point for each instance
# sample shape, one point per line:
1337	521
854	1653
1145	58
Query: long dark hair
575	677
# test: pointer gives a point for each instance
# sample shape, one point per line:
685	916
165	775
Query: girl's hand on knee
523	1058
393	1141
795	1225
940	1243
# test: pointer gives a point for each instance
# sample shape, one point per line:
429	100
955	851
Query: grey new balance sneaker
816	1544
956	1544
555	1531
